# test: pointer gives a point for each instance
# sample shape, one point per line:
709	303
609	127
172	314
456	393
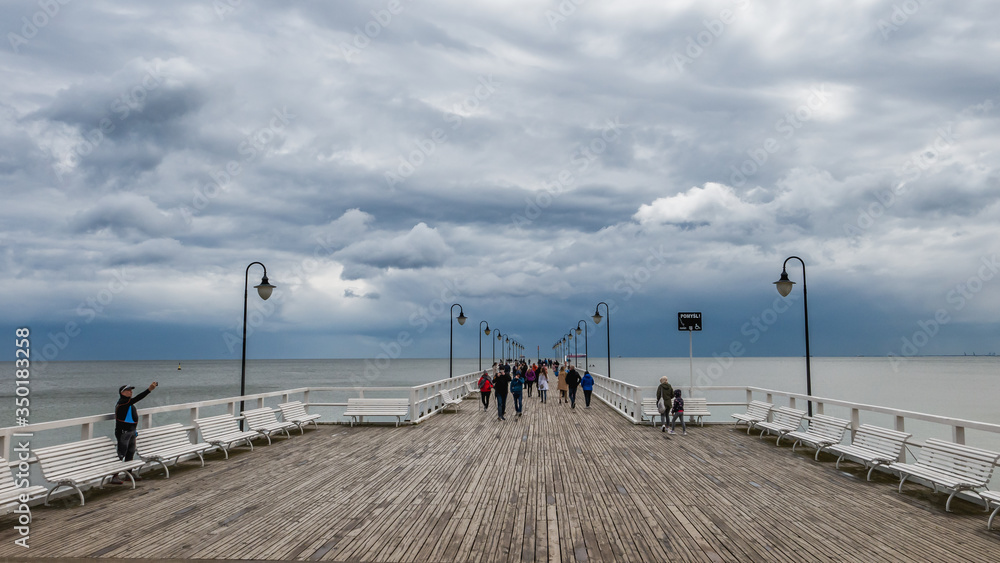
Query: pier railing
425	401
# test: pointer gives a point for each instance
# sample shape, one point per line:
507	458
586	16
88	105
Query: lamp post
487	333
451	333
264	290
784	286
506	346
586	346
500	338
569	344
597	320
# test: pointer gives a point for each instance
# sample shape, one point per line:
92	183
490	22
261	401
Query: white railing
958	426
625	398
425	401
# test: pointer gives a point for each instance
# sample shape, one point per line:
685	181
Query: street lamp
500	338
569	341
597	320
487	333
451	333
586	346
264	290
506	345
784	287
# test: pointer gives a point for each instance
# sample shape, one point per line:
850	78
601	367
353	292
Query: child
678	410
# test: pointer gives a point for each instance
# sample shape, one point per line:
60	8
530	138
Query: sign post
690	322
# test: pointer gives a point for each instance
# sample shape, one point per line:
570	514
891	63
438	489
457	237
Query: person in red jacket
485	386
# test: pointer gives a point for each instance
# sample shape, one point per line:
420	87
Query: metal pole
805	306
243	365
691	357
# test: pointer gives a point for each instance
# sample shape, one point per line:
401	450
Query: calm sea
961	387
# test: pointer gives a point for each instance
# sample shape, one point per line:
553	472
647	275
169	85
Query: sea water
959	387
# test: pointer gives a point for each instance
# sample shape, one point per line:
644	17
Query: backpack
484	384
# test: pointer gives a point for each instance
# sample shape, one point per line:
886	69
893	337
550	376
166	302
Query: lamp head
597	317
578	329
487	331
264	289
784	285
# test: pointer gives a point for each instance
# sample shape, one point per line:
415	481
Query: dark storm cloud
380	159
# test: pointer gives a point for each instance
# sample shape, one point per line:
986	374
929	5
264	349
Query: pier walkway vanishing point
555	485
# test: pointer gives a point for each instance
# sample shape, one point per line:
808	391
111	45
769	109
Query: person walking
485	386
516	391
664	396
561	384
530	378
572	382
127	424
678	412
543	385
587	384
500	385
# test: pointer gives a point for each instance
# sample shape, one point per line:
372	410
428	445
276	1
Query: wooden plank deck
556	485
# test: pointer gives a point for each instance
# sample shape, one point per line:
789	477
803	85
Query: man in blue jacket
127	423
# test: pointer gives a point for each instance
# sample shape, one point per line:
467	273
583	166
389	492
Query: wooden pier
555	485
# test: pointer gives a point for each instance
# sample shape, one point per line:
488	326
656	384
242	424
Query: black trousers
587	394
126	443
485	398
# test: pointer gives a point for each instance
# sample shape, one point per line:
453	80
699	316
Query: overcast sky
525	159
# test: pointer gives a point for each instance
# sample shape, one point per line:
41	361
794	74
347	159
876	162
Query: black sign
688	321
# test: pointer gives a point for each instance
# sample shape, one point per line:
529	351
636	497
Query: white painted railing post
900	427
749	396
87	431
819	408
413	405
958	434
855	422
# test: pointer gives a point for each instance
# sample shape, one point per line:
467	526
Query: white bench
295	412
953	467
163	444
358	408
224	431
78	463
873	446
448	401
783	421
649	409
757	411
823	432
994	497
470	388
696	408
10	491
264	422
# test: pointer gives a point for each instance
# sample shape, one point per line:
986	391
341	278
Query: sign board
689	321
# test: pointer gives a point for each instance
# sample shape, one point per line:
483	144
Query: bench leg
202	458
989	523
947	505
901	481
66	484
165	470
874	465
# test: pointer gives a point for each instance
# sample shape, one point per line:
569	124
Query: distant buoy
178	366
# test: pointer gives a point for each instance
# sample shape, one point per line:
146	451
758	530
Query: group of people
670	406
517	378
